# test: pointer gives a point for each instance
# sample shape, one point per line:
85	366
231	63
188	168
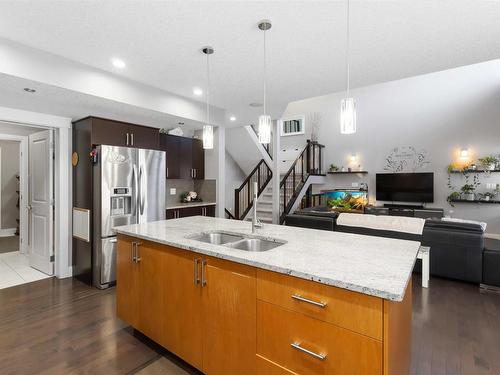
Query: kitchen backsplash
205	188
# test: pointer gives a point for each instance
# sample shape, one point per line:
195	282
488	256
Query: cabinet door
170	214
210	211
150	263
127	283
144	137
198	159
109	132
190	211
229	318
182	330
170	144
185	158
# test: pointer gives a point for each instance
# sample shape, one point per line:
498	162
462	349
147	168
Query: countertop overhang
375	266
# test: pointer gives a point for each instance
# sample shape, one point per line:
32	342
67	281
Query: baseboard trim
7	232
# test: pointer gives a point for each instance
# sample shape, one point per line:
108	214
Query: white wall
10	166
234	178
440	113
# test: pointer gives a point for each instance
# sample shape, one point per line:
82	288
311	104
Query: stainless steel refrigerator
129	188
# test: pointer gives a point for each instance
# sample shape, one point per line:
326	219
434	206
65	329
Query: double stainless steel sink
237	241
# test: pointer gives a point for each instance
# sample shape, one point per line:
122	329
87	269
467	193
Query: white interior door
41	201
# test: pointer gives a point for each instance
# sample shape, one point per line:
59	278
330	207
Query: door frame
23	188
63	182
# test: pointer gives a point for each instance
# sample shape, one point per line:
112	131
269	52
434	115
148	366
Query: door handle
167	172
320	356
132	251
29	207
203	273
137	257
132	138
306	300
128	139
196	271
195	172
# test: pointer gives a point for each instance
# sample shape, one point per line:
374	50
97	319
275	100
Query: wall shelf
346	172
475	171
475	201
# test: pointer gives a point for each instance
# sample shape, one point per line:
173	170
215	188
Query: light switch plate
355	185
173	191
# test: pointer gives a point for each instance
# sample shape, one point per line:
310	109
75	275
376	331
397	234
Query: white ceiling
75	105
160	42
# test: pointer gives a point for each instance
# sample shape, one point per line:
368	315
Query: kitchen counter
375	266
190	204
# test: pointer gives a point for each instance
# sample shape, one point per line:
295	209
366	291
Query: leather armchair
456	249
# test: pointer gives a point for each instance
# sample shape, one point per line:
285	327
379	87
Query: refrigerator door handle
136	190
141	193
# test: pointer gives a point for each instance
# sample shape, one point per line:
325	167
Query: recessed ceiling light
180	123
197	91
232	118
31	91
118	63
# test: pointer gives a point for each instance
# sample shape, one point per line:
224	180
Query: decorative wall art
406	159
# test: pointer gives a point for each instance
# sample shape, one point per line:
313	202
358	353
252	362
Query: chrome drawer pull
297	346
315	303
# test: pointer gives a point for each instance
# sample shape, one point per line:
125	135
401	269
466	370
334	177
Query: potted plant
453	197
488	196
468	192
333	168
489	163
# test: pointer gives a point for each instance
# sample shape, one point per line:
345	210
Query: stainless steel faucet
256	223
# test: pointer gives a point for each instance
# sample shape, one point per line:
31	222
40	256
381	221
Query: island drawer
308	346
355	311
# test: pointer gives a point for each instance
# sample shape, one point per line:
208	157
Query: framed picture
293	125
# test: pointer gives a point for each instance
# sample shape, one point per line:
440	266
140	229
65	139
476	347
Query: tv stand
408	211
414	206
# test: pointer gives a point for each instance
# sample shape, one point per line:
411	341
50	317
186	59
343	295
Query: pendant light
348	104
208	129
265	119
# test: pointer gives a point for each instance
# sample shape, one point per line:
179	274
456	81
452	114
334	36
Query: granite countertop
376	266
190	204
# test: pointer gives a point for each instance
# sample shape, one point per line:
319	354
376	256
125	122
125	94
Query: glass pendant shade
265	129
208	136
348	116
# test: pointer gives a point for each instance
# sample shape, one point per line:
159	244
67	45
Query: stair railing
243	196
309	162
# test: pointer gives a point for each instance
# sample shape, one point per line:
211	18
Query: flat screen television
405	187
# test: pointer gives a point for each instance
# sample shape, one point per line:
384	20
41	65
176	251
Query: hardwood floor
64	327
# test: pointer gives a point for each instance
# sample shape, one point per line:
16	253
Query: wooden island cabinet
223	317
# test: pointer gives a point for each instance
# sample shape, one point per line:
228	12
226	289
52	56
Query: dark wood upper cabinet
118	133
144	137
108	132
170	144
198	161
185	157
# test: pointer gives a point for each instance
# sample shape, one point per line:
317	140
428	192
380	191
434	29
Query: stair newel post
308	155
258	178
237	204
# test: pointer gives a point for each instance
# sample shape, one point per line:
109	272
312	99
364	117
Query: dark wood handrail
309	162
229	214
243	199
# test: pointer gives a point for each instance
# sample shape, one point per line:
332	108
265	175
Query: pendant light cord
347	49
208	89
265	73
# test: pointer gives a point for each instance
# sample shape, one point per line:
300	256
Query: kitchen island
318	302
